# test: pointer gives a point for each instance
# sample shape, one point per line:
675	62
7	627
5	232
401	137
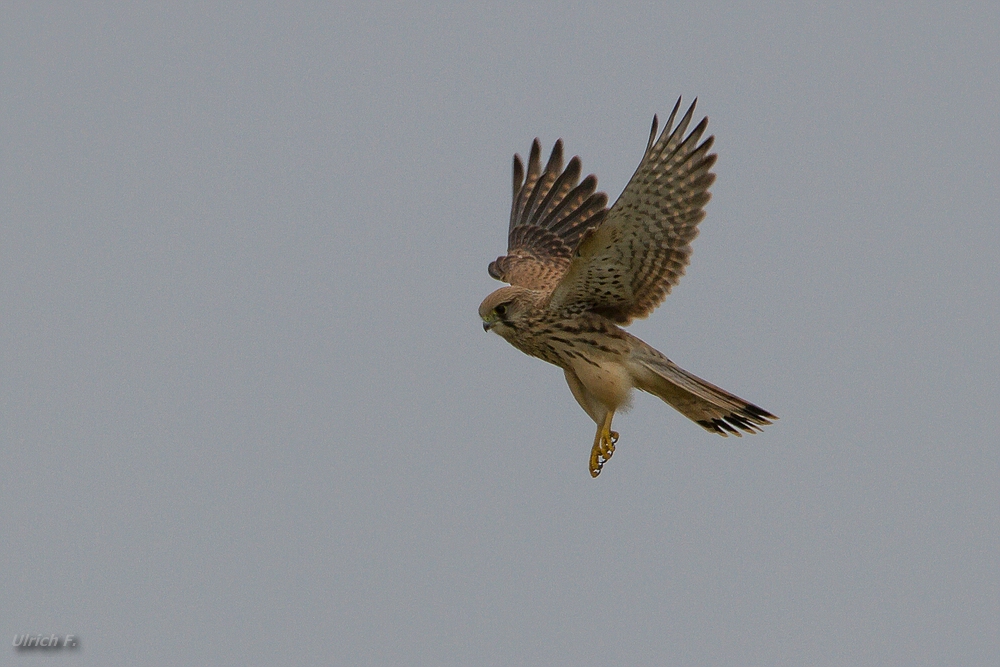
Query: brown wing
626	267
551	210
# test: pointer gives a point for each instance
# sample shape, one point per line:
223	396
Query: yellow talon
604	446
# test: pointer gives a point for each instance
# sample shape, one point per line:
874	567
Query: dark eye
501	310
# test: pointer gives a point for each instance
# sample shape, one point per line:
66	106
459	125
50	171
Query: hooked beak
487	325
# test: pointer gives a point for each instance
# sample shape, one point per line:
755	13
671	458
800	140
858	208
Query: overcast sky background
248	415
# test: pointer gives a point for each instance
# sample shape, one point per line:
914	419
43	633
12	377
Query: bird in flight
577	270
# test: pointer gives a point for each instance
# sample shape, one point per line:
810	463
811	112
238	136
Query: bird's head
503	310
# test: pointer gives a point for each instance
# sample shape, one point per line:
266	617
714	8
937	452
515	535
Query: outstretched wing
550	212
627	266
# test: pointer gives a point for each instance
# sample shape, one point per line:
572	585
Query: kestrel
577	270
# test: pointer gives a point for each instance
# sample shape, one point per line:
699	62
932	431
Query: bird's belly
607	380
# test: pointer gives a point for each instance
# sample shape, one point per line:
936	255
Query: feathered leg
604	441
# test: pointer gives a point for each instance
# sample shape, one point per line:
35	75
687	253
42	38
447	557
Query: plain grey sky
248	415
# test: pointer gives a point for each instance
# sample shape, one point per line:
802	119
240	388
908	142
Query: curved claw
595	463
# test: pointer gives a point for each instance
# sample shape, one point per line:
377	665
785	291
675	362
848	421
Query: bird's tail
712	408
